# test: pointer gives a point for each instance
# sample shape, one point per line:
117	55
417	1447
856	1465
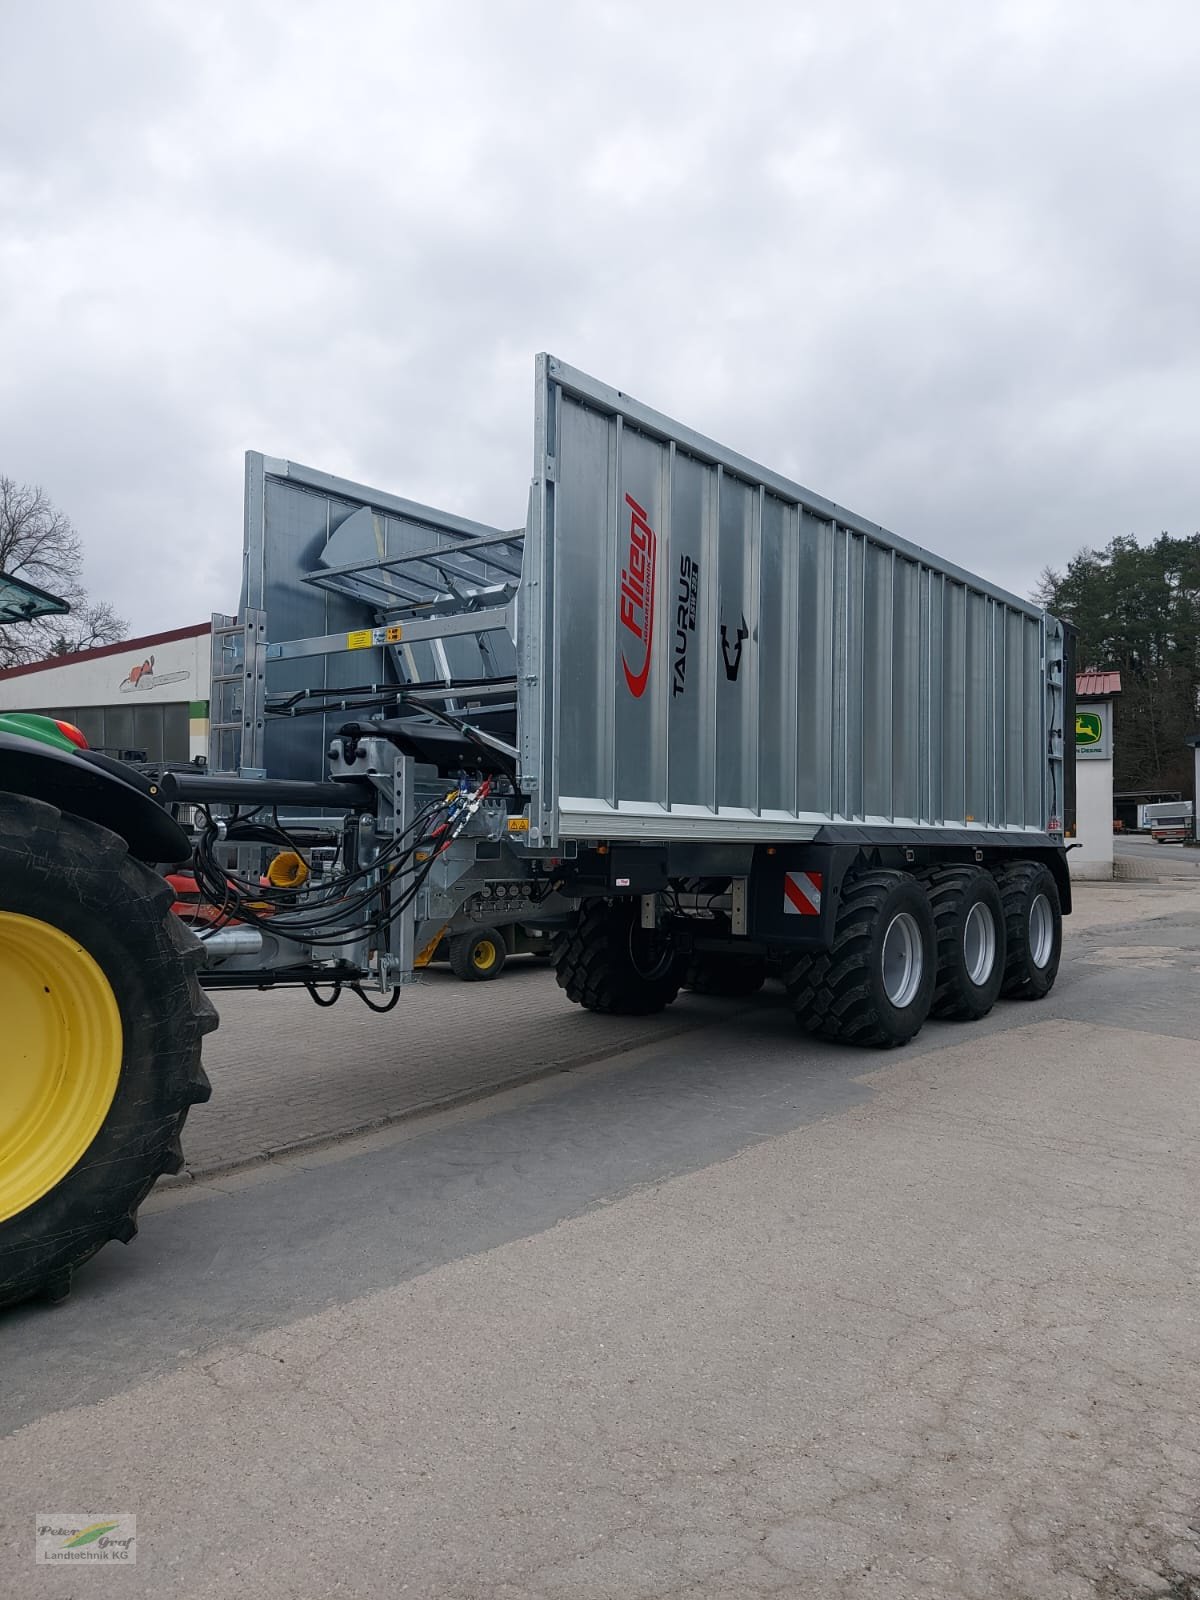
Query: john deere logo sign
1091	734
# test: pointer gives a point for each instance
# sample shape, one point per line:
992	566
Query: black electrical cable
303	927
389	1004
335	898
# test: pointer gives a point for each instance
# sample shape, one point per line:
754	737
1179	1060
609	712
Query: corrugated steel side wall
710	651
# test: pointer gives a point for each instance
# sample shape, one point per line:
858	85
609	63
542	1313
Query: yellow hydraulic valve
287	871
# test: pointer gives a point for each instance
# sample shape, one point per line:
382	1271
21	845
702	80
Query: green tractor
101	1008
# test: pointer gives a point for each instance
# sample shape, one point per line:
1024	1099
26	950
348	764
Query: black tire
81	879
1033	929
728	975
478	956
969	922
841	993
605	961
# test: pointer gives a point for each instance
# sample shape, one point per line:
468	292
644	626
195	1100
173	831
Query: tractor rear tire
478	956
104	1021
606	961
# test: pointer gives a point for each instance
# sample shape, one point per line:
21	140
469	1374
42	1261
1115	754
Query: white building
147	695
1094	696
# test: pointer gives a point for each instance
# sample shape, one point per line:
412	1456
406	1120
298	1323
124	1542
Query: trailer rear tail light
70	731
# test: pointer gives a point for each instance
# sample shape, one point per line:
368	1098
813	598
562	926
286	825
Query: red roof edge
194	632
1097	685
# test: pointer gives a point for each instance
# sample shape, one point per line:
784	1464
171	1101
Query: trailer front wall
711	651
302	523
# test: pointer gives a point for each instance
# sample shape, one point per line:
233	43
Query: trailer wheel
732	976
103	1021
969	923
875	986
478	956
606	961
1033	925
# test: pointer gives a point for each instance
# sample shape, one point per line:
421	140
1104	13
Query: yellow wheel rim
62	1057
483	956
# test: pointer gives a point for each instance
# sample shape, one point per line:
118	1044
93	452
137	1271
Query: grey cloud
937	262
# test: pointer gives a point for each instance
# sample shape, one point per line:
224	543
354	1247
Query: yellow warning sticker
393	635
518	824
360	640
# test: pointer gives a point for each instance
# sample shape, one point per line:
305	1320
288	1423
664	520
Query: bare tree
1046	588
39	543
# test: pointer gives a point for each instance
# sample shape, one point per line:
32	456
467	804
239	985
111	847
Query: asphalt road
729	1314
1168	858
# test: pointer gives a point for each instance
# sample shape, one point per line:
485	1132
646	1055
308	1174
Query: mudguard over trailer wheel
875	985
969	921
606	961
1033	924
103	1020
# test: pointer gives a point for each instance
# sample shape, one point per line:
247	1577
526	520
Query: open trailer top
708	725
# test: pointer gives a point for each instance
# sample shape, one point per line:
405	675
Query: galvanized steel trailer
716	719
706	725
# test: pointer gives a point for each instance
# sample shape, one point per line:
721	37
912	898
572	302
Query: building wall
150	694
1094	820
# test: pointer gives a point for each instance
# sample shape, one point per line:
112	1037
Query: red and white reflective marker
802	893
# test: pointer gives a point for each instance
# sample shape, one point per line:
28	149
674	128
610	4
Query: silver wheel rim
1041	931
903	960
979	944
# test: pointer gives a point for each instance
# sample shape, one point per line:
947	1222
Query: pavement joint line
306	1155
210	1174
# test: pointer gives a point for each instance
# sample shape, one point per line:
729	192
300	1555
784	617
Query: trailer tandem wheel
104	1021
1033	925
875	984
969	923
606	961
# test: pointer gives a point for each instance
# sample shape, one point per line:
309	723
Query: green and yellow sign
1091	732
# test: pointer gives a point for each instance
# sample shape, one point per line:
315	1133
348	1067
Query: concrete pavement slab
287	1075
943	1343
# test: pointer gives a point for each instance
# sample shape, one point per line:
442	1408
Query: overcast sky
938	262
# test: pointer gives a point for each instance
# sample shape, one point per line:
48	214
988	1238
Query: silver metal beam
328	644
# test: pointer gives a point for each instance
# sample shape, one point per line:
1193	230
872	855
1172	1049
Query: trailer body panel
711	651
316	555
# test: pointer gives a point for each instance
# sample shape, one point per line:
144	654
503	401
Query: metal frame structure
369	623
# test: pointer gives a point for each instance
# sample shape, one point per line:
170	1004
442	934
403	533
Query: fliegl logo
637	597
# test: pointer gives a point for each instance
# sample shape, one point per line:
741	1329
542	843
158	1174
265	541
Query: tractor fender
92	786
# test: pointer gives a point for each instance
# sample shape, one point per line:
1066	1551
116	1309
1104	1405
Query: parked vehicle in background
482	953
711	725
1171	822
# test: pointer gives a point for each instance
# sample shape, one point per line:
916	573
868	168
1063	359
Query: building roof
119	649
1097	685
20	600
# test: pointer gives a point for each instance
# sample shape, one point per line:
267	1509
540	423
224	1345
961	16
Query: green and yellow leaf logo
1088	727
89	1535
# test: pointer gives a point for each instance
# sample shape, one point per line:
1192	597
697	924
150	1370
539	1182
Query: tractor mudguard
98	789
